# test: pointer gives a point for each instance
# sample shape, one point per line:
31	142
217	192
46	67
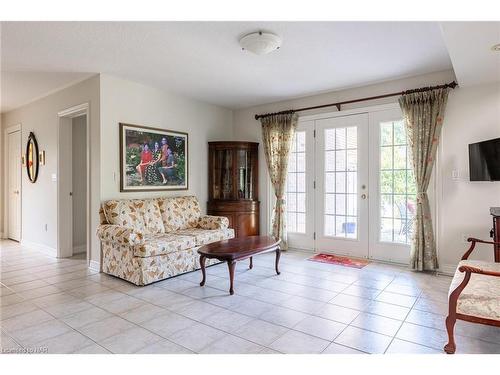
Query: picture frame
153	159
32	158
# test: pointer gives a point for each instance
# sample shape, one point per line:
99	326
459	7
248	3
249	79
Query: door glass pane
341	164
397	185
296	185
245	174
222	175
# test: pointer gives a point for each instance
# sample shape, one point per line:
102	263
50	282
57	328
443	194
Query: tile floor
60	306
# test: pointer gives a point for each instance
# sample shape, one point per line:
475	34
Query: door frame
370	110
69	113
7	131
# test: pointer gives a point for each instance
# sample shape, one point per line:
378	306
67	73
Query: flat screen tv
484	160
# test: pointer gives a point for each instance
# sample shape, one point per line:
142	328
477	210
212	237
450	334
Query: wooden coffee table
237	249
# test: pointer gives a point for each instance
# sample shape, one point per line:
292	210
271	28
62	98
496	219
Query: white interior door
65	188
14	185
341	194
392	188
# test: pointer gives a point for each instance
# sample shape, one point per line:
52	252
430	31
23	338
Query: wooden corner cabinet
233	178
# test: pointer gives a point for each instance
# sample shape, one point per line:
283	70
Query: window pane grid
340	216
296	185
397	187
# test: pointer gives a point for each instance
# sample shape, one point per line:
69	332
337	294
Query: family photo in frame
152	159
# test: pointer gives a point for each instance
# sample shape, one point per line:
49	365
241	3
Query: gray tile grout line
406	317
253	317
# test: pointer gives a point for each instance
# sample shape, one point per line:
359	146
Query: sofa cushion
481	296
205	236
164	243
140	214
179	212
124	212
152	216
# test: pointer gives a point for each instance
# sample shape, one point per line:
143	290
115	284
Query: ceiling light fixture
260	43
496	47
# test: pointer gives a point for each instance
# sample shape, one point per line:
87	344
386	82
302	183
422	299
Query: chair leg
450	347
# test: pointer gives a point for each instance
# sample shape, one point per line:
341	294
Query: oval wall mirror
32	161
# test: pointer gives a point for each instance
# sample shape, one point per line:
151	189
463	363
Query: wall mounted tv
484	160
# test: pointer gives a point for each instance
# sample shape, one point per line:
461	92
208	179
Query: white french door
342	185
300	187
350	187
392	188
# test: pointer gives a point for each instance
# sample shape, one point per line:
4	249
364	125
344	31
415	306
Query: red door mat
341	261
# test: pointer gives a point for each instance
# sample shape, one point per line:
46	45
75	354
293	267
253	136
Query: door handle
363	196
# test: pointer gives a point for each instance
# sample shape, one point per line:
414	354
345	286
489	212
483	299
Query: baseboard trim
447	269
95	266
79	249
40	247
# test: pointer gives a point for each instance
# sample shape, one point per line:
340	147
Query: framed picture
152	159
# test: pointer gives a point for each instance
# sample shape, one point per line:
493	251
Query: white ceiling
469	45
203	59
19	88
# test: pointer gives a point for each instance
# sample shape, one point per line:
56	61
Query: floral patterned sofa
146	240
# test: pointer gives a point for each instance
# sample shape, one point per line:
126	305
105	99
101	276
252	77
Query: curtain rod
451	85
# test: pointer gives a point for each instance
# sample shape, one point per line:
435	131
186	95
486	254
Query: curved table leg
202	264
231	265
278	254
251	263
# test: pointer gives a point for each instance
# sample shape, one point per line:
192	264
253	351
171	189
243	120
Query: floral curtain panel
277	134
423	113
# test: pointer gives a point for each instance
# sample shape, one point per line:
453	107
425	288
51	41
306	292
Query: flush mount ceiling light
496	47
260	43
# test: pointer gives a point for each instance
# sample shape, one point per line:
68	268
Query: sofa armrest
120	235
213	222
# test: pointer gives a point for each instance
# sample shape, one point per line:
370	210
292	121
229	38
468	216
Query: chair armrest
213	222
473	242
470	269
120	235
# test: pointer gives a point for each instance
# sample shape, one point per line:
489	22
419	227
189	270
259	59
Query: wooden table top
239	248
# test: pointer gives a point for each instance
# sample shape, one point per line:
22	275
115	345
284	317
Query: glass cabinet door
245	174
223	177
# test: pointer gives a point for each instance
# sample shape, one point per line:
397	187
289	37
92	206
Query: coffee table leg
202	264
251	263
278	254
231	265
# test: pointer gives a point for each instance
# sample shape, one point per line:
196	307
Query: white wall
39	200
472	115
134	103
79	189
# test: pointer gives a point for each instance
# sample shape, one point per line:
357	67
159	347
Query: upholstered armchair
474	294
